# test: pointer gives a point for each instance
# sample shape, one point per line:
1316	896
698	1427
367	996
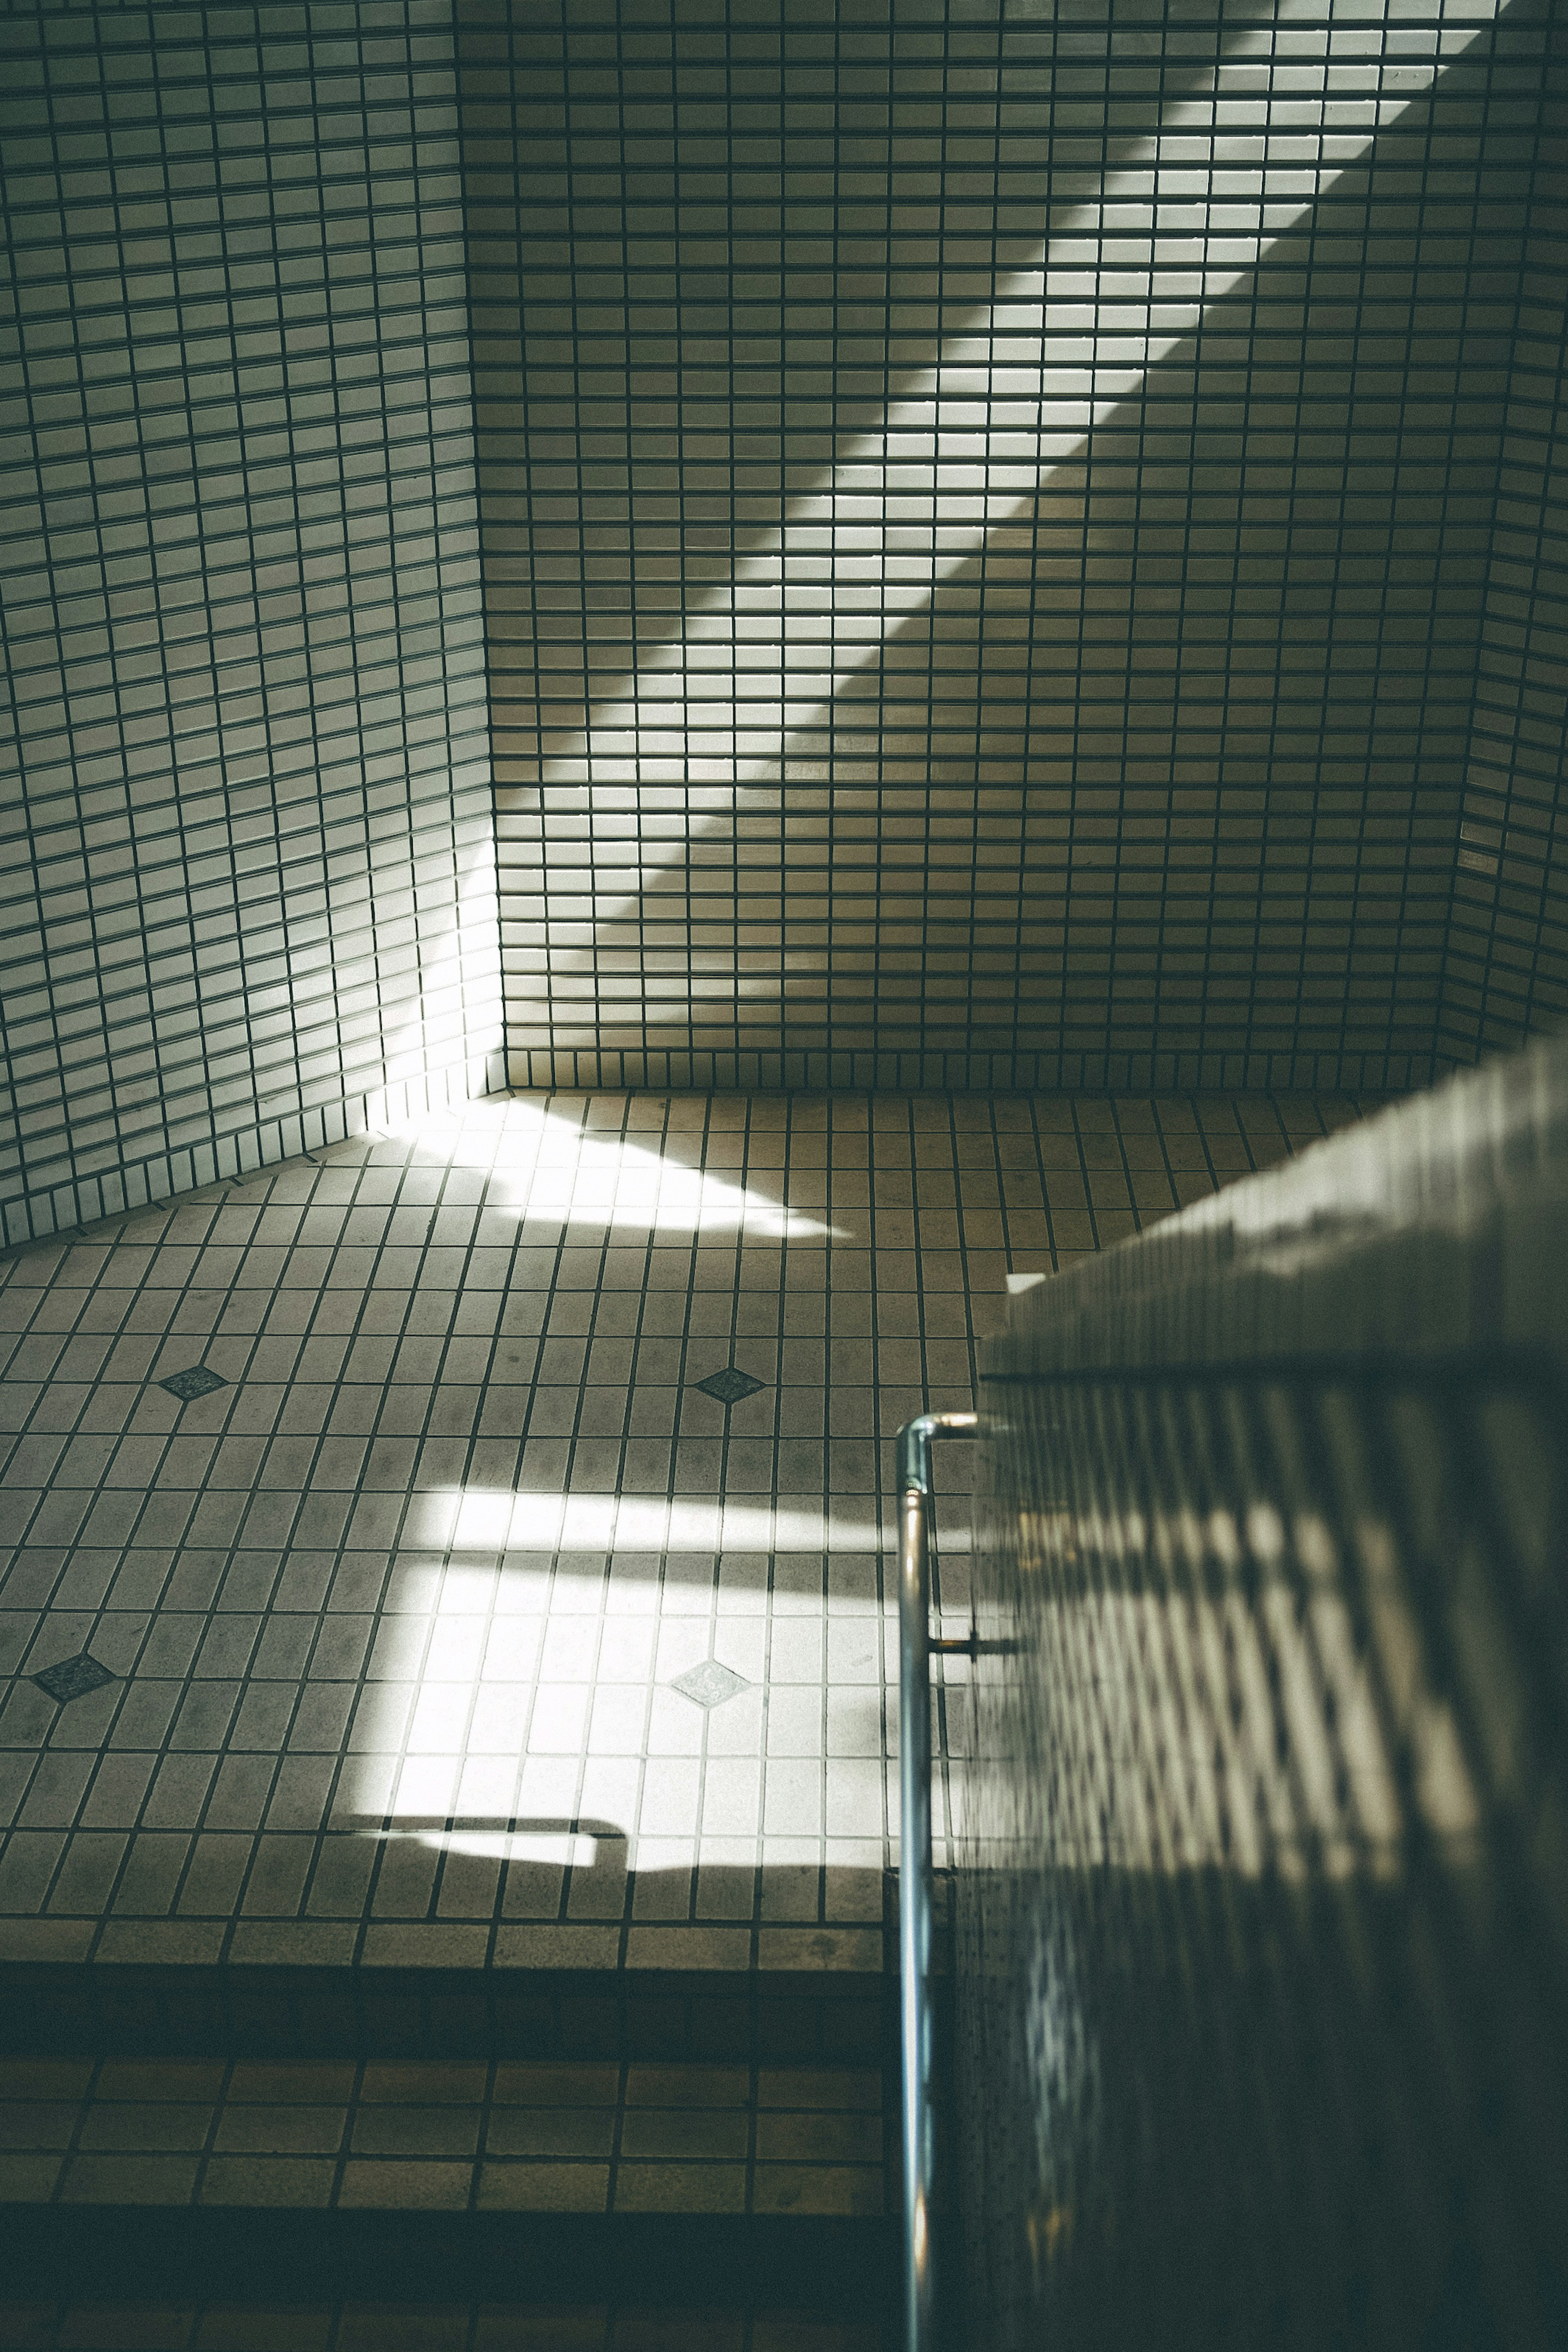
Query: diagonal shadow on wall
1026	841
551	226
1162	787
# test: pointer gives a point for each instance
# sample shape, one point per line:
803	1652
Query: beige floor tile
291	2130
549	2132
144	2125
128	2181
541	2328
28	2178
126	2328
684	2132
823	2088
412	2187
267	2180
45	2078
816	2189
543	2084
237	2328
400	2327
315	2084
36	2124
680	2189
686	2086
819	2138
425	2083
521	2188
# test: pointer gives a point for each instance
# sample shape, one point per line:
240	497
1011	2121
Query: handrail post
914	1441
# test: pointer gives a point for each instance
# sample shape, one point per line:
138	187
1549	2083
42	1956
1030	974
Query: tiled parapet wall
1261	1880
1263	1851
986	531
247	873
1436	1227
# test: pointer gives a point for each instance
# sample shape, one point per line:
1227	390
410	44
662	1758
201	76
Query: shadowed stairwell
693	699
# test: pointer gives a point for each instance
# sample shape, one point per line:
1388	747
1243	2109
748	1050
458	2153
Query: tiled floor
396	1618
409	2136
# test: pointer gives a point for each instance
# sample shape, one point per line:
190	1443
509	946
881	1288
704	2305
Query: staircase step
713	2267
466	2150
807	2016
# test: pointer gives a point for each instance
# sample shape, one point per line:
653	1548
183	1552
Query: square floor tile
708	1685
730	1386
73	1678
197	1382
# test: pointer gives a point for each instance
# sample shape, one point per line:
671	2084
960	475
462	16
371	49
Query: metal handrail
915	1646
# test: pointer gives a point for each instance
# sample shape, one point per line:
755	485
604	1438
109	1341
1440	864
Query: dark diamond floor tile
708	1685
199	1382
73	1678
730	1386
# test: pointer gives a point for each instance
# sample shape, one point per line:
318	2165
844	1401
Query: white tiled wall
985	520
246	866
1507	969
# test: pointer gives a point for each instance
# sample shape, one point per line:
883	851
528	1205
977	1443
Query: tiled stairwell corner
246	836
395	1615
